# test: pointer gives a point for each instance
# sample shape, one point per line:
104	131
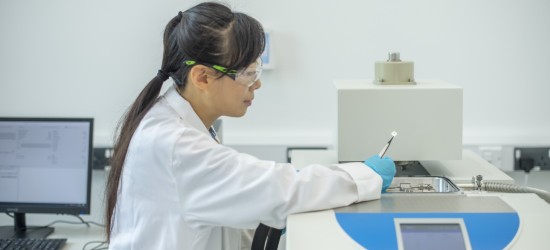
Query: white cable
510	188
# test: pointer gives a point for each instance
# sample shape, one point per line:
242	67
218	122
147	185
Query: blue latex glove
384	167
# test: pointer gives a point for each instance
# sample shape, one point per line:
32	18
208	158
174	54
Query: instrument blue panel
377	230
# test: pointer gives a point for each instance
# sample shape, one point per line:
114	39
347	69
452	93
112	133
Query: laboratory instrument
437	199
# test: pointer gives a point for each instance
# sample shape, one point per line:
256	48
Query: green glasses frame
229	72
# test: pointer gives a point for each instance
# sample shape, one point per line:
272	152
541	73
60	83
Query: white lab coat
180	189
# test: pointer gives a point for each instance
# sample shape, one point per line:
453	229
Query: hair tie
162	75
180	14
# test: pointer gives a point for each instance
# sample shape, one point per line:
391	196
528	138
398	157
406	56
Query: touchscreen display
432	236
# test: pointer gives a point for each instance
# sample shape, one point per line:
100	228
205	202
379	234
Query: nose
256	85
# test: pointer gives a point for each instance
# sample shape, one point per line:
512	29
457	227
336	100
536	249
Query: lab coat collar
184	109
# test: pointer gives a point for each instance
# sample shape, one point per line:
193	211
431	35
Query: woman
173	186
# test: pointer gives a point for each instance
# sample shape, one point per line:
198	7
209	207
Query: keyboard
32	244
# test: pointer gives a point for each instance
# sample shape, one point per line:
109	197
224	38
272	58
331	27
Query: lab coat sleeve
221	187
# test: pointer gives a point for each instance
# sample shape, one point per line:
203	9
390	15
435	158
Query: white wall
91	58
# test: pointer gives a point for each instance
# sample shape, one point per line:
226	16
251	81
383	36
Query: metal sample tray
422	184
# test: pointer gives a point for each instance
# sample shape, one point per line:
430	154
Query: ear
198	76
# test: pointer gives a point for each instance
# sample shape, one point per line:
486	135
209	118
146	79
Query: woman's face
233	97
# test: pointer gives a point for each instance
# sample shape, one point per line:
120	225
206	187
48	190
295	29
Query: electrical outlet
531	158
102	158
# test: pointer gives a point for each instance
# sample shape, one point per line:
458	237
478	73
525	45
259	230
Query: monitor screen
45	165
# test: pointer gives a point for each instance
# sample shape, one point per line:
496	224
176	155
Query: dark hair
208	32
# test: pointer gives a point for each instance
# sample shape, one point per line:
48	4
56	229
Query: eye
249	73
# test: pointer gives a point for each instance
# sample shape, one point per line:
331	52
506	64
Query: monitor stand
20	230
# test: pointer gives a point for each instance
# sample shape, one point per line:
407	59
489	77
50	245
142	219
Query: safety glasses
246	77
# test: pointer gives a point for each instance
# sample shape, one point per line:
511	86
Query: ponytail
133	116
125	130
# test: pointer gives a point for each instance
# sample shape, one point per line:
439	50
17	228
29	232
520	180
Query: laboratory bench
78	235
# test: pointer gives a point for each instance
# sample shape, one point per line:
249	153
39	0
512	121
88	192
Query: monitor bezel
54	208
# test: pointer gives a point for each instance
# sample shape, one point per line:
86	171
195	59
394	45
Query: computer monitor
45	167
